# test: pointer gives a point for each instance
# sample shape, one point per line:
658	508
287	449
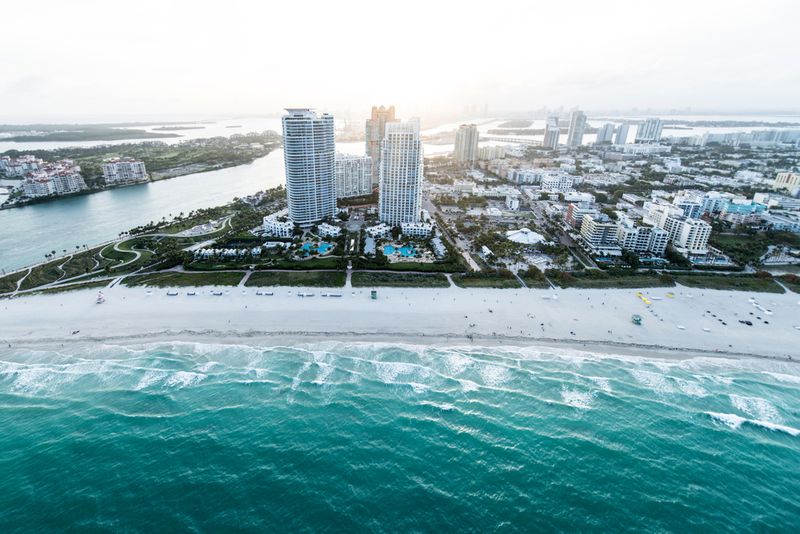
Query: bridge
517	140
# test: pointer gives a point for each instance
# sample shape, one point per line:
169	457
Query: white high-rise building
551	133
309	153
353	175
466	145
577	125
605	134
400	192
622	134
693	237
649	131
124	171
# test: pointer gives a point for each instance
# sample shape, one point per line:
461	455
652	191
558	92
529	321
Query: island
161	160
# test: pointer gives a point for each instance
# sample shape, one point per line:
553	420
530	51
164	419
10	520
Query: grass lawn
43	274
301	278
367	279
80	263
485	280
734	282
9	282
602	280
792	281
327	262
63	289
171	279
534	279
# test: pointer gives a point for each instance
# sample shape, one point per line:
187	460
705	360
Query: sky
83	60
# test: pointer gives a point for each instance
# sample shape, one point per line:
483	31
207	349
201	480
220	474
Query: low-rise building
419	229
641	239
742	211
557	183
379	231
278	224
782	222
328	230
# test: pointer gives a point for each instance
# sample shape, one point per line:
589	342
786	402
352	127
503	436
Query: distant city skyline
182	60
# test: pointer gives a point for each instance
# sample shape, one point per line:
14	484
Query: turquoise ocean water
378	437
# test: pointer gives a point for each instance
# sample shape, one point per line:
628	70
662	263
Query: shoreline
593	321
257	339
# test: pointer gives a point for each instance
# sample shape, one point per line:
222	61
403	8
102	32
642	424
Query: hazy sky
120	59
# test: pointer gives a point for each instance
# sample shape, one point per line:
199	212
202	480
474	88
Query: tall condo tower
649	131
622	134
400	192
466	145
309	154
551	133
577	124
605	133
375	130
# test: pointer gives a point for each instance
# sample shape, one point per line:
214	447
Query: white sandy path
133	315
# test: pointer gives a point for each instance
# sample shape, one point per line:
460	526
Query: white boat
681	327
217	293
100	297
191	293
172	293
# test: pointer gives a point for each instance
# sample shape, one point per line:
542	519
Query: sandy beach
687	324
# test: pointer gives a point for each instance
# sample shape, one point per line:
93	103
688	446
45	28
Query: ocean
389	437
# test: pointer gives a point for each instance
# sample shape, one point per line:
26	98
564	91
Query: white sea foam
601	382
654	381
181	379
324	372
456	363
494	375
468	385
756	407
781	377
149	378
577	398
388	372
690	388
736	421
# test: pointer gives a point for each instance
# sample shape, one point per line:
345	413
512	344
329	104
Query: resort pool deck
406	251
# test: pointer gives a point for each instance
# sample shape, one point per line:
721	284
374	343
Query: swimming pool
406	251
322	248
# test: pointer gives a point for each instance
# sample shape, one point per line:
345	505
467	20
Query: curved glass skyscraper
309	153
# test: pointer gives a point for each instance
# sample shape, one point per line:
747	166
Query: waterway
28	233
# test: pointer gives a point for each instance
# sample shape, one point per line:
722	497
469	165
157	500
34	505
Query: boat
217	293
191	293
681	327
373	295
100	297
172	293
337	295
636	319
